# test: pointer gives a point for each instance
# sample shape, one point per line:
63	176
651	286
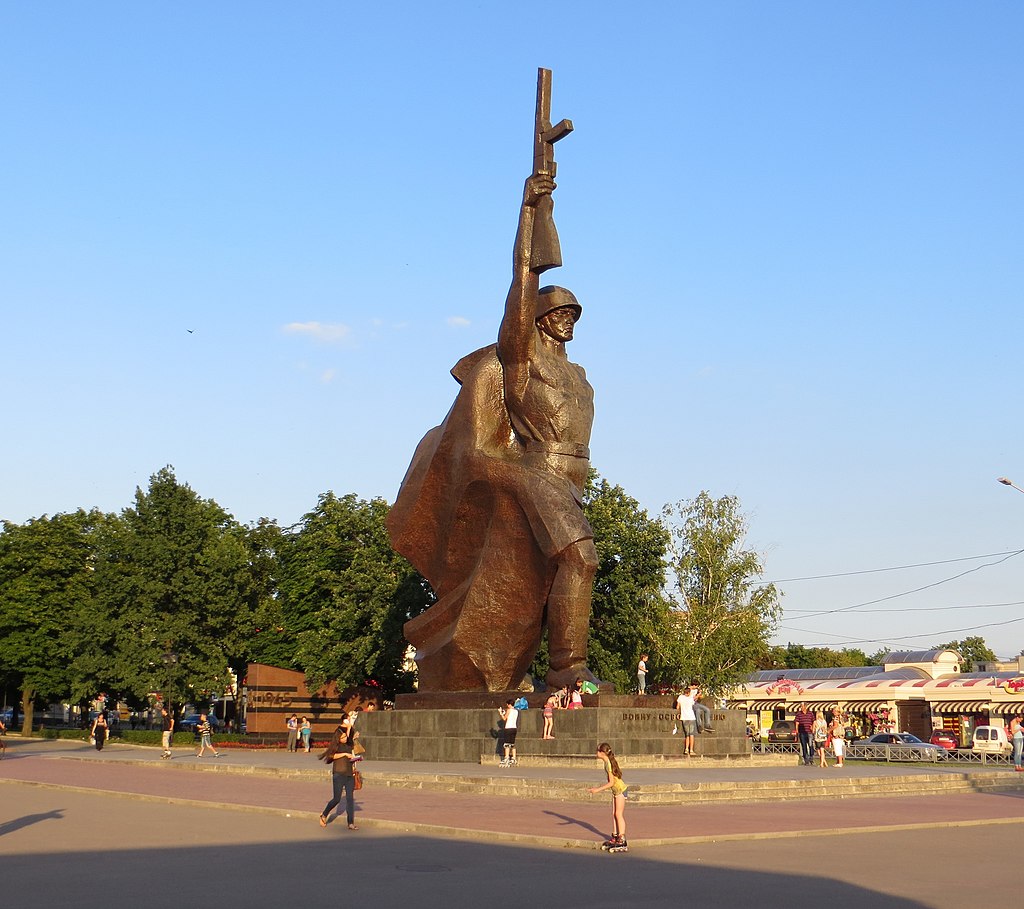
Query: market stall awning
1012	708
864	706
758	703
958	707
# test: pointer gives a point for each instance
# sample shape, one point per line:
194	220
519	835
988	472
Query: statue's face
559	323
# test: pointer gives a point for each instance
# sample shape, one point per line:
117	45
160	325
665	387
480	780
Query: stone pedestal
470	734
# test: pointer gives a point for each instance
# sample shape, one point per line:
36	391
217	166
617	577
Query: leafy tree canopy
725	615
630	615
974	650
796	656
176	576
344	595
46	601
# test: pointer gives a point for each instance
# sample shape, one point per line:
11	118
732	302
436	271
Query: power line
928	634
894	596
846	574
922	608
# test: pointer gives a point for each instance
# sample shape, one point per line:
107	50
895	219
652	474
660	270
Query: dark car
944	739
782	731
187	723
190	722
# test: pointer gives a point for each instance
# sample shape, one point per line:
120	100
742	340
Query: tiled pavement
296	784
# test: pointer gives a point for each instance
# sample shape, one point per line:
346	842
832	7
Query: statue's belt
572	449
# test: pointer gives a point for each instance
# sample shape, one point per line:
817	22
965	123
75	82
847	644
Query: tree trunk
28	696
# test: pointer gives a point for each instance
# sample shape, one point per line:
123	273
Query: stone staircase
509	783
472	734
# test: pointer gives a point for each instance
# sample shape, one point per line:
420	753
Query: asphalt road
61	848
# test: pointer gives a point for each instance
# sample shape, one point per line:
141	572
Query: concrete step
508	783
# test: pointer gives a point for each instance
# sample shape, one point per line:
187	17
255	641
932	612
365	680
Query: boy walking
167	727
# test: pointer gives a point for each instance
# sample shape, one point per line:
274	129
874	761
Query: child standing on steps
618	787
550	706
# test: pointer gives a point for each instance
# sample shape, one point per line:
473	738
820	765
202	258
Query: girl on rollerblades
618	787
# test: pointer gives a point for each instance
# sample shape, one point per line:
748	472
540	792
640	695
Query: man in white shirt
687	719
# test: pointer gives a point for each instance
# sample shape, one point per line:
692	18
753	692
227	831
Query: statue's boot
568	616
568	630
557	678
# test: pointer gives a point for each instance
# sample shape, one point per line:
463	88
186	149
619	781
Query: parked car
991	740
190	722
944	739
899	746
782	731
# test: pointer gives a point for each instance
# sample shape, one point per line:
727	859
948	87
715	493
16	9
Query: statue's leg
568	611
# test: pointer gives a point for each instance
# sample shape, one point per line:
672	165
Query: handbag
358	777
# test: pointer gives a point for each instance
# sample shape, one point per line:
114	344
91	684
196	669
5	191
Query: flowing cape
484	529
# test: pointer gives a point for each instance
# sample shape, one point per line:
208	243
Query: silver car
895	746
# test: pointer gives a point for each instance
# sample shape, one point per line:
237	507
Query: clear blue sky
250	239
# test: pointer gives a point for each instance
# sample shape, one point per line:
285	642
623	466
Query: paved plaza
121	828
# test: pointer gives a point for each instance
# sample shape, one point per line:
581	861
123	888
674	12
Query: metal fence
892	753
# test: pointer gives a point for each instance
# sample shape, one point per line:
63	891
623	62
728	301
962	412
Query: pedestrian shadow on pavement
566	821
29	819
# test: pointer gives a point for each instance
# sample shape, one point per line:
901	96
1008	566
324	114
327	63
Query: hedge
181	739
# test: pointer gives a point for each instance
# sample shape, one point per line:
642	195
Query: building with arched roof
913	691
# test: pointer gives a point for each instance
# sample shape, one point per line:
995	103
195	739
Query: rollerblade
503	762
618	845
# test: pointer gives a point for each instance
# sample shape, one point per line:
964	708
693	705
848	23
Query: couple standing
694	717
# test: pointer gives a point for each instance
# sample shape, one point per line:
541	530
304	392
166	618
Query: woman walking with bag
99	730
339	755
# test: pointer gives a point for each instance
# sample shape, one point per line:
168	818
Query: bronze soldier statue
490	511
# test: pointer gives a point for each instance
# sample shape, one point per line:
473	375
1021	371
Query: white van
991	740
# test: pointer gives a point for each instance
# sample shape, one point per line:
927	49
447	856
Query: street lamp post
1007	482
170	660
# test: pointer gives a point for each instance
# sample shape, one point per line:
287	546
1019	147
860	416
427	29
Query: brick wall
275	694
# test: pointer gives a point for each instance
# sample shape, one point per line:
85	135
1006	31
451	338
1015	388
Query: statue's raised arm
517	334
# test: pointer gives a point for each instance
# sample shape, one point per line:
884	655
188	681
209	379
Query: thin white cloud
458	321
318	331
327	376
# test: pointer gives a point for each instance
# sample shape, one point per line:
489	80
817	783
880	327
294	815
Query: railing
760	747
893	753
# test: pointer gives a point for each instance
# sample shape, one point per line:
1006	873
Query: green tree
974	650
47	602
796	656
725	616
176	576
344	596
629	615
